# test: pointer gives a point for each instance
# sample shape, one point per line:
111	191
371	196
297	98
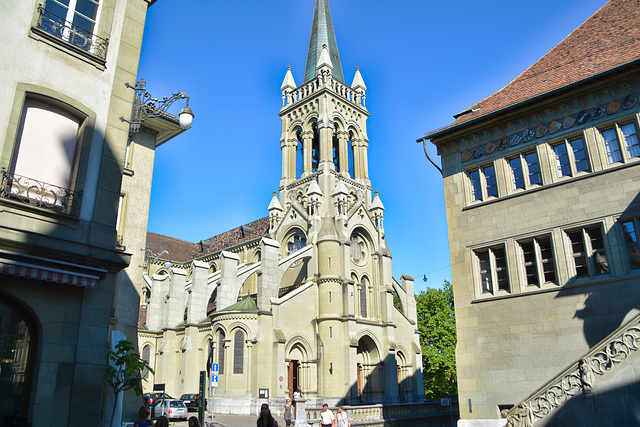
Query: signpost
214	384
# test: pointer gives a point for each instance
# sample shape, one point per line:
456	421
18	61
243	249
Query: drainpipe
424	145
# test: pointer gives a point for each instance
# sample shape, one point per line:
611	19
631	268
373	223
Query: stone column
357	158
177	297
268	274
307	152
343	152
156	316
300	416
365	160
410	299
326	144
198	298
227	289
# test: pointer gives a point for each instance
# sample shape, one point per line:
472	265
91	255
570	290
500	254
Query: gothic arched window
238	352
221	353
146	356
363	297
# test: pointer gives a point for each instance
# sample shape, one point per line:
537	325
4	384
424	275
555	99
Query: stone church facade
305	297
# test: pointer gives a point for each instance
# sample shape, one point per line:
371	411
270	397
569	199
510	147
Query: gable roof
608	39
182	250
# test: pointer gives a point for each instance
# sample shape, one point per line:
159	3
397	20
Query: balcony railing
72	34
37	193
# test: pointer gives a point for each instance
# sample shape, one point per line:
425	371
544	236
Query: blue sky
422	61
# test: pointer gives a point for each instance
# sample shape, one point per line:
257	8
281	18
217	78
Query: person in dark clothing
266	420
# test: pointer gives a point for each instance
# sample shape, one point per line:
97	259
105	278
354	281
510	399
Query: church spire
322	34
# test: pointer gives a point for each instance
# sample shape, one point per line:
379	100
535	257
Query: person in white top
342	419
326	417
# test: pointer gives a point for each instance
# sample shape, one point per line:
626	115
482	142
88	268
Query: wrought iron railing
72	34
579	377
39	193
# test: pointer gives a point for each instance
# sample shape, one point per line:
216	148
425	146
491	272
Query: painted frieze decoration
564	123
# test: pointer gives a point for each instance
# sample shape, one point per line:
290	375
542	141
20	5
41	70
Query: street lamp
146	107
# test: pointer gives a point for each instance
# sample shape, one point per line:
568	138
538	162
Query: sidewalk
222	420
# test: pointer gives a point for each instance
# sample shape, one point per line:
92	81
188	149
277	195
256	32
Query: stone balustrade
290	97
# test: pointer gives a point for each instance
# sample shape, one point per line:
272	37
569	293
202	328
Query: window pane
88	8
501	268
238	352
530	266
516	173
490	178
631	140
363	297
579	255
485	271
599	253
476	189
631	239
533	169
57	9
612	146
546	255
221	353
579	155
562	160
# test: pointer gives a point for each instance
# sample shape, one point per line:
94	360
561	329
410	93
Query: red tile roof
181	250
608	39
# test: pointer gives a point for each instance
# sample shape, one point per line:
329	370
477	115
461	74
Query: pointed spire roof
322	33
358	81
275	203
376	203
288	82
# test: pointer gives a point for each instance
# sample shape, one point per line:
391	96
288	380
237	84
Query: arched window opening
363	297
213	302
238	352
146	356
299	156
336	150
17	335
221	353
296	243
315	150
352	173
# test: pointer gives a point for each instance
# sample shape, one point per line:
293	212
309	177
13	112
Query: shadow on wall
69	349
606	307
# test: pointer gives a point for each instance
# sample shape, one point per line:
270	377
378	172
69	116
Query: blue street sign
214	381
214	369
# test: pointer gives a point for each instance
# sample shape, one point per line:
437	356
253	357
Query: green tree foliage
437	326
125	370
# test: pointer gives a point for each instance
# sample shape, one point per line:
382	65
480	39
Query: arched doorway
370	370
18	338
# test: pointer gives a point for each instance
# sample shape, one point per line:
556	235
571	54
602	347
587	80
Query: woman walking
287	413
342	419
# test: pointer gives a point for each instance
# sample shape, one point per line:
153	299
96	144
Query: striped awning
38	272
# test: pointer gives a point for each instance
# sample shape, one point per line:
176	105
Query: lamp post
146	107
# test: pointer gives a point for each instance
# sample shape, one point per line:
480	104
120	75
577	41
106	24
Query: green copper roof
321	34
247	305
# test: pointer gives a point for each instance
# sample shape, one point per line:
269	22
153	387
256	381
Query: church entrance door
294	374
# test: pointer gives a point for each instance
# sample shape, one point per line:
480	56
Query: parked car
192	401
174	409
149	398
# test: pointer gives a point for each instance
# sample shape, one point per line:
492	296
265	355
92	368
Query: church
303	298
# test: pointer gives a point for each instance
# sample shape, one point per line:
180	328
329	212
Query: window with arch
297	242
299	156
146	356
363	296
315	150
238	352
359	249
336	149
351	156
221	352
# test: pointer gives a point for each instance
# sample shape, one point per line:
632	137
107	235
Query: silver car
173	409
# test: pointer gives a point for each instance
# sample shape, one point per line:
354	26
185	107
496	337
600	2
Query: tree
437	326
125	371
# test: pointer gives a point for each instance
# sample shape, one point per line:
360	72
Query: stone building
303	298
542	194
63	145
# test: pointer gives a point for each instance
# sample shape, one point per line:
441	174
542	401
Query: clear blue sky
422	61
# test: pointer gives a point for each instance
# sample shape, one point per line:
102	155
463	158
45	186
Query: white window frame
493	272
526	173
620	140
539	261
571	156
589	252
482	180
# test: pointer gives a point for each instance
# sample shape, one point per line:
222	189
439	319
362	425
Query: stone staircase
579	378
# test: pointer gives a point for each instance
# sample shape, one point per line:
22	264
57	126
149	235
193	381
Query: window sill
45	37
575	284
563	181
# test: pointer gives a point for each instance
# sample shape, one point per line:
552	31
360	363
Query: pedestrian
194	422
297	394
162	421
143	415
342	419
265	419
326	417
287	413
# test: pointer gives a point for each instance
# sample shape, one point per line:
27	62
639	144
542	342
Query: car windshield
188	396
158	402
176	404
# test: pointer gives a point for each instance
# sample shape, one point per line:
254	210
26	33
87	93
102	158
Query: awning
48	274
